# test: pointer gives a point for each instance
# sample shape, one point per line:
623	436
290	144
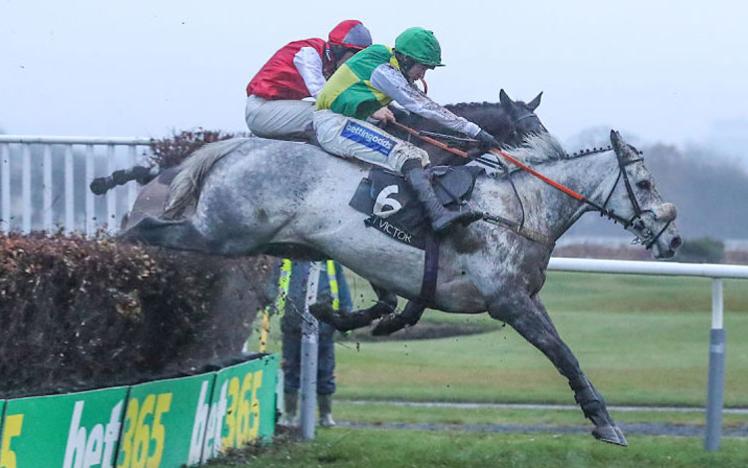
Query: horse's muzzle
668	244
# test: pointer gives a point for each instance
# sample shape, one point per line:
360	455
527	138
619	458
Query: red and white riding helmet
351	34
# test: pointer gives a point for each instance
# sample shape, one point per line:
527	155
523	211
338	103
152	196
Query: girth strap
430	270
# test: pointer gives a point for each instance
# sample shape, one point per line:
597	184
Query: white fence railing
27	209
716	383
44	182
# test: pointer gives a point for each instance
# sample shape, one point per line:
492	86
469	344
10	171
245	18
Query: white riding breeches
283	118
352	138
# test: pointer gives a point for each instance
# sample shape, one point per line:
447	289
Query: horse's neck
550	211
490	117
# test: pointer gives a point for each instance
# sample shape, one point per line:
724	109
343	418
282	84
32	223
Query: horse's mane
472	105
539	148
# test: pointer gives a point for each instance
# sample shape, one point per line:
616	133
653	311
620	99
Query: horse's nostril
676	242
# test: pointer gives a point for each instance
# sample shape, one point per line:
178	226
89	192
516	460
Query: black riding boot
441	218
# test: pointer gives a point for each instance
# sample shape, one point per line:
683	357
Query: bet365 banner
161	423
73	430
243	406
166	423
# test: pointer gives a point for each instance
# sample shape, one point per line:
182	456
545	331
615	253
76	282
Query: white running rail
44	182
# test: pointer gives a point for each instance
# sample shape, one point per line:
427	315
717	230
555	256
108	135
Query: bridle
646	236
526	116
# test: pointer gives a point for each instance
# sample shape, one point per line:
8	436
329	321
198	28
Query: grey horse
508	120
253	196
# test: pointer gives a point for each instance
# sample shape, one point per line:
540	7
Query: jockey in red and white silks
298	70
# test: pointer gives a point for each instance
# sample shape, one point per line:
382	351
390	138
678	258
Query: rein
517	227
636	220
508	157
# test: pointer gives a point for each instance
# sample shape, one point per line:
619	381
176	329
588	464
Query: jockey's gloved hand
487	140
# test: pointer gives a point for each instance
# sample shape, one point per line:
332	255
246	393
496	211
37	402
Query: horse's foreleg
410	315
345	321
529	317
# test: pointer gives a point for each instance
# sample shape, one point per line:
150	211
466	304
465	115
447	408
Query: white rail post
5	187
26	188
309	348
47	189
132	187
716	386
111	195
69	191
90	207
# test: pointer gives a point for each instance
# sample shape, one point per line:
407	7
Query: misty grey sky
664	70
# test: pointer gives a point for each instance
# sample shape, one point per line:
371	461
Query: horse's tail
185	188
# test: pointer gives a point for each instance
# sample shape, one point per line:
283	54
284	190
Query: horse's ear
532	105
623	150
504	99
616	141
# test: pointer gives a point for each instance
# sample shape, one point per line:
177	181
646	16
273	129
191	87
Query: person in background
298	70
291	298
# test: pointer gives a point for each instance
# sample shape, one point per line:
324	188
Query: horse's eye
644	184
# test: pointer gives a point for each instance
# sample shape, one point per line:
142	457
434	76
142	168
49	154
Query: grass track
633	358
362	448
642	340
378	413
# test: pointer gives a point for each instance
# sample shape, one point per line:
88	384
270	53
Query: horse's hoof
610	434
388	325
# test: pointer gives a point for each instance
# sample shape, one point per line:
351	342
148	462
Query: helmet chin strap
425	86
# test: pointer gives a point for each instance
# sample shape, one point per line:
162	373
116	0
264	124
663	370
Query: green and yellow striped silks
349	90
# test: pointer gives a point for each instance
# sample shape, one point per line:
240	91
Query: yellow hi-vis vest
284	282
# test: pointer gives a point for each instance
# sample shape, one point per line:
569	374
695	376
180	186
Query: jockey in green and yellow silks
350	92
361	89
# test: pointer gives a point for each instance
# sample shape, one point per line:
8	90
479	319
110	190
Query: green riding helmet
421	45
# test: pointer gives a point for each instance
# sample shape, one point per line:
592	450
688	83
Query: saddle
393	208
